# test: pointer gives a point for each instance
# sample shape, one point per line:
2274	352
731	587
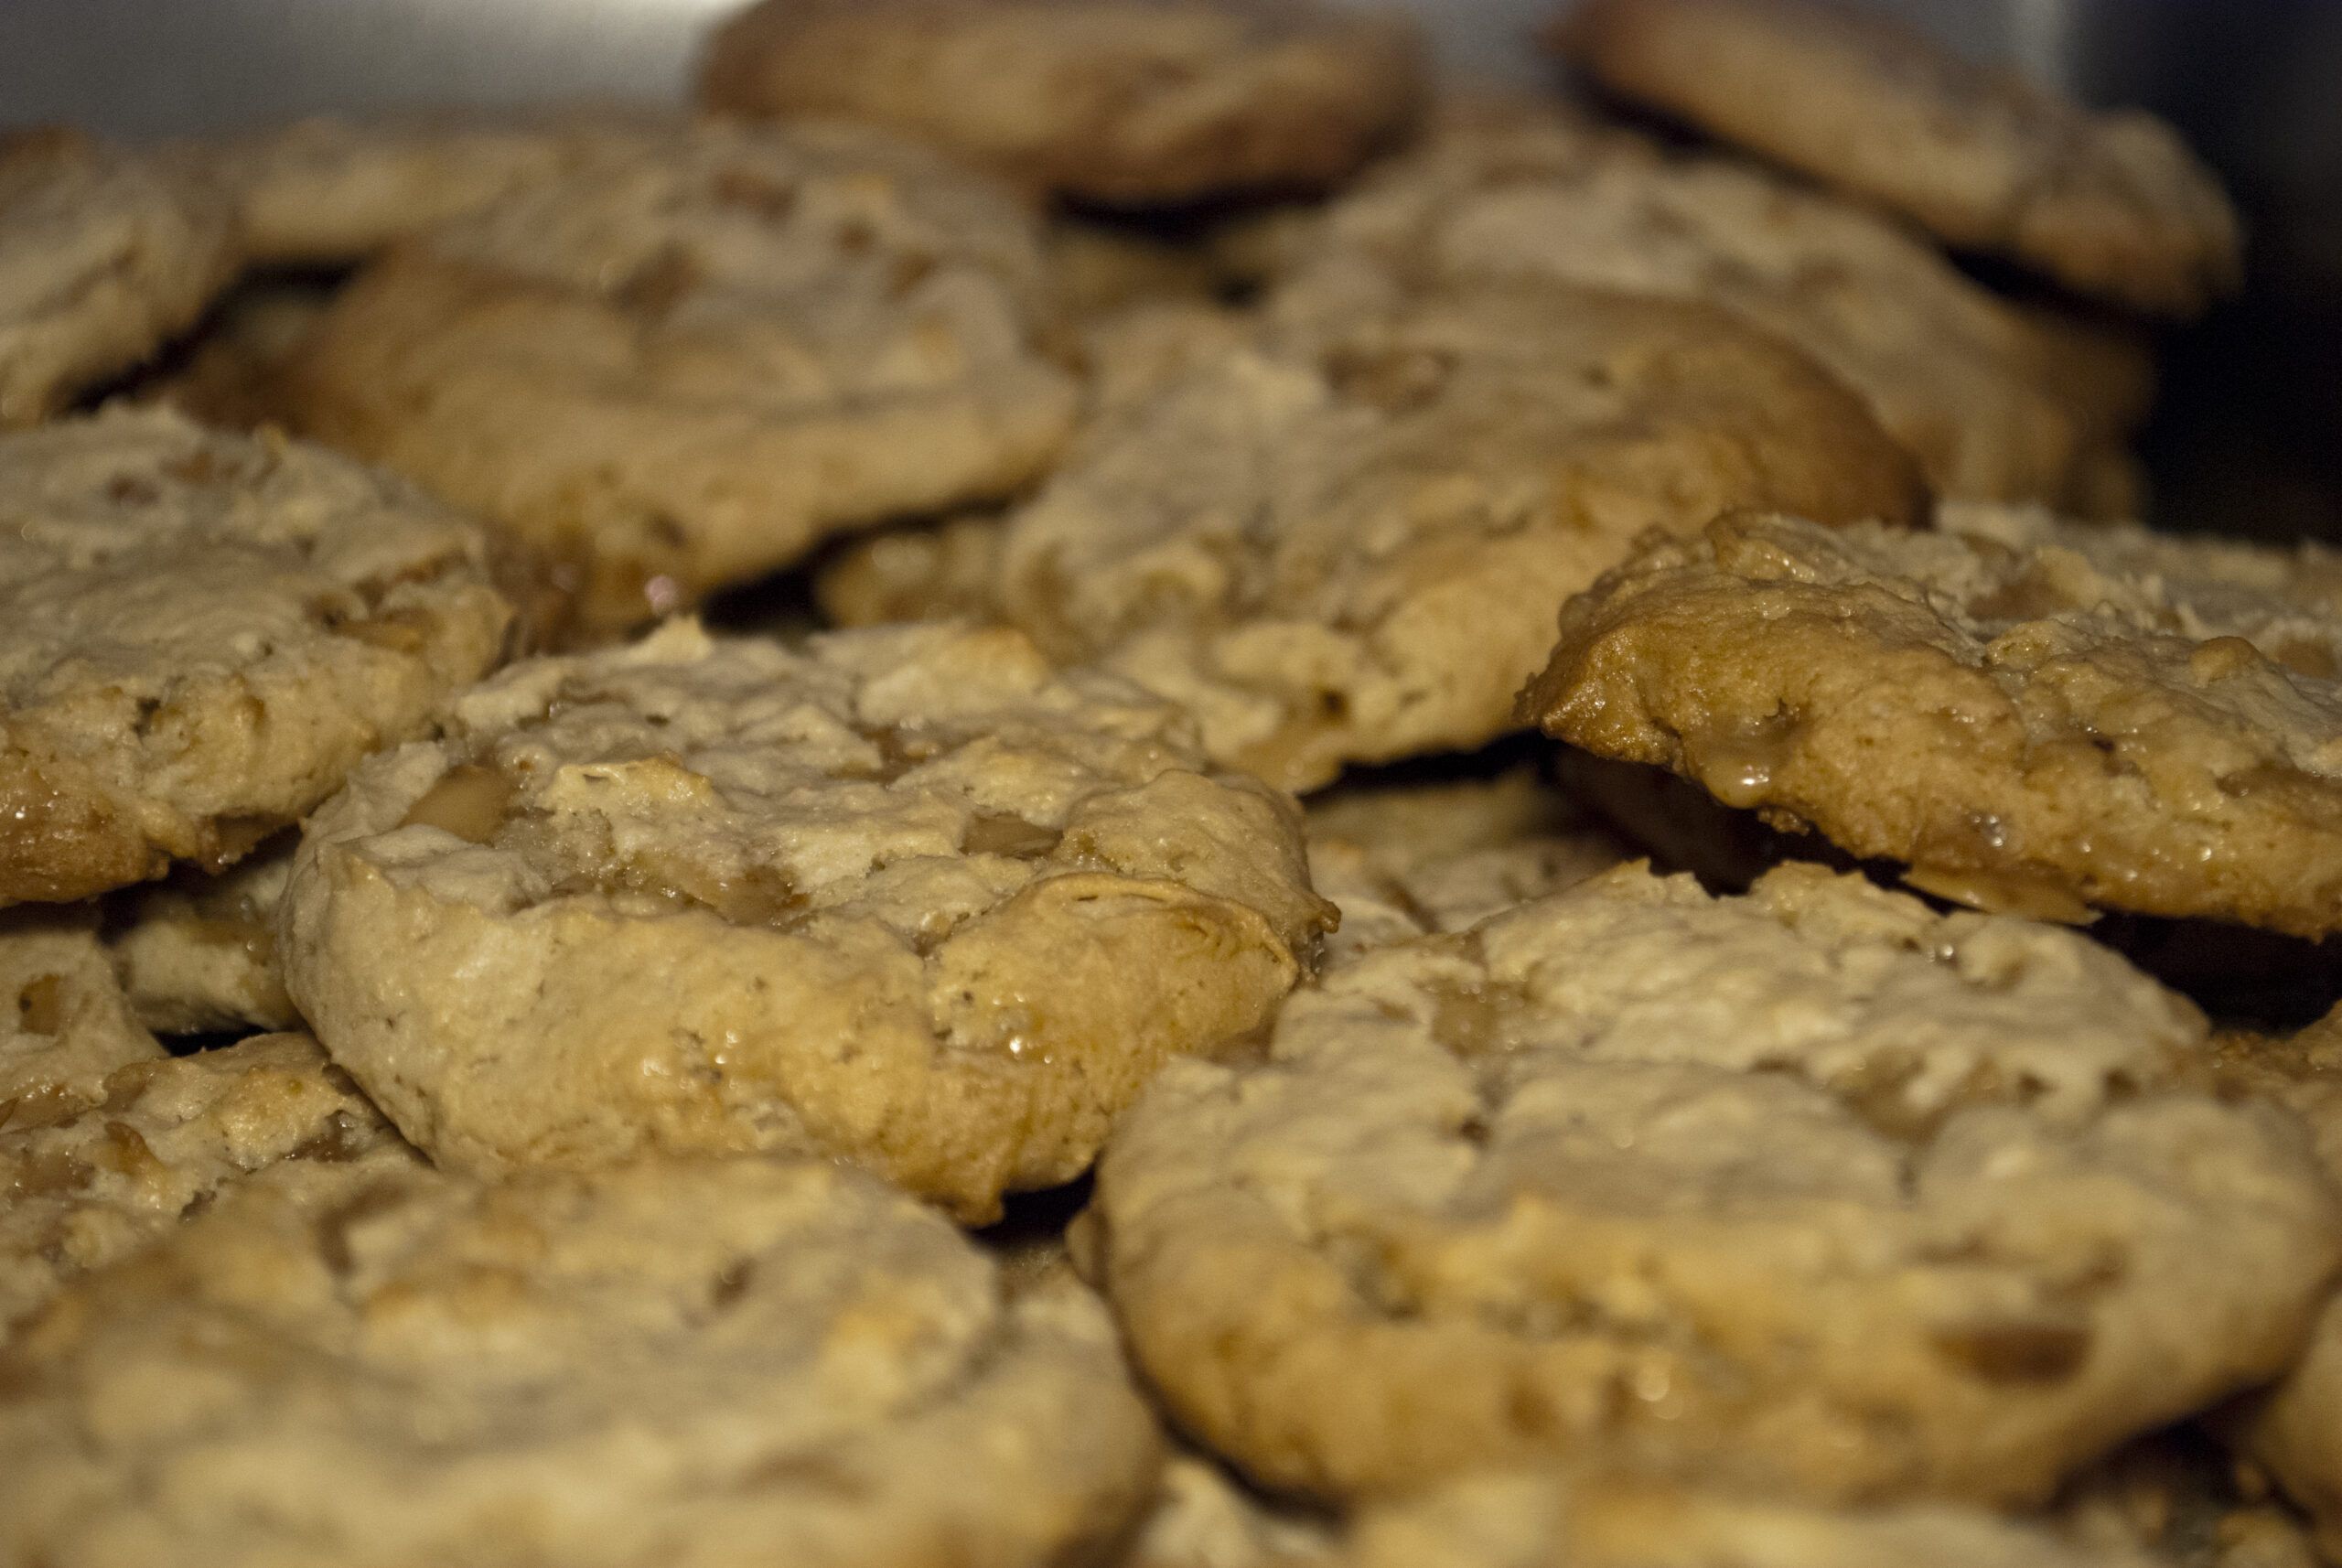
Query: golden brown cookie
695	353
1345	542
1812	1191
2110	204
2031	714
200	634
906	896
1127	101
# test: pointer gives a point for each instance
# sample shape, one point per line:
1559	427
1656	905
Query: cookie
1346	544
65	1025
906	896
203	634
94	1181
697	1364
1998	404
232	373
1202	1518
197	953
1133	102
104	255
1812	1191
2031	714
1523	1519
2108	204
693	356
1404	860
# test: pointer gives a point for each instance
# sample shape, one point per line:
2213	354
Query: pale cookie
65	1025
1126	102
197	953
1996	403
2180	1500
2031	714
1202	1518
1349	547
906	896
1812	1191
104	256
692	1365
200	634
92	1182
1405	860
693	356
2110	204
2297	1428
1602	1520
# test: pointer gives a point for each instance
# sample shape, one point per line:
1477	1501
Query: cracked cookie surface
200	634
1813	1190
2032	715
1126	102
693	353
908	896
2111	204
697	1364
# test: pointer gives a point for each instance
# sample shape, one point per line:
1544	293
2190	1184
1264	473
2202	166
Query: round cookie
1605	1520
91	1181
906	896
1346	543
197	954
694	1365
2032	715
104	255
1997	403
694	354
1125	101
2110	204
1812	1191
200	634
1404	860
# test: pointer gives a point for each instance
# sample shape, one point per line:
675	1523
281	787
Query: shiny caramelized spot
2016	1352
128	1153
2035	894
469	801
40	1006
399	632
992	833
1736	764
2221	658
340	1140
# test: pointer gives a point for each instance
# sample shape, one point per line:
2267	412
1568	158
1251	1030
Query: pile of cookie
813	835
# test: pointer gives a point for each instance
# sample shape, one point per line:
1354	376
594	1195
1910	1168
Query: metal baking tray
2249	434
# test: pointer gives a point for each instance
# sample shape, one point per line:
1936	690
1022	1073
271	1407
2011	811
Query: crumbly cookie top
104	255
90	1181
2031	714
1346	543
1995	405
64	1023
1814	1189
203	633
692	1363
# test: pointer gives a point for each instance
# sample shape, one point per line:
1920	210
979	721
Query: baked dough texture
104	255
1126	102
907	897
200	634
197	953
1345	541
697	352
2030	713
685	1365
2110	204
1997	402
1812	1192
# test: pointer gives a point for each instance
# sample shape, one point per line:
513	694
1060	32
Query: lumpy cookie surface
697	1363
1133	102
105	255
200	634
694	352
2032	715
1811	1191
2111	204
1345	541
908	897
